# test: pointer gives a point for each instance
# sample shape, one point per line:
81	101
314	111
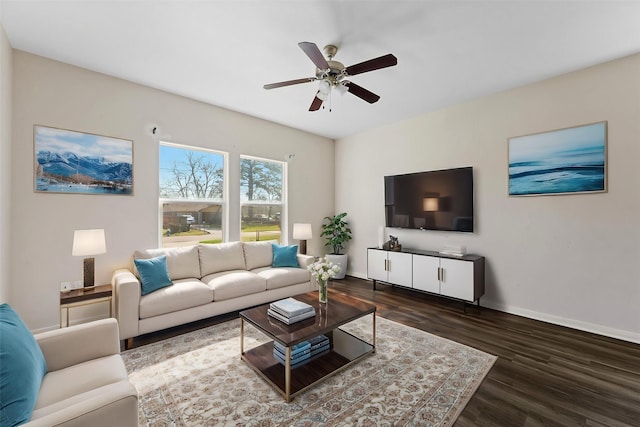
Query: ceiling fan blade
316	104
314	54
362	93
289	83
372	64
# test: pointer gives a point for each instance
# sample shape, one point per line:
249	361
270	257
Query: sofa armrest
115	405
126	287
305	260
79	343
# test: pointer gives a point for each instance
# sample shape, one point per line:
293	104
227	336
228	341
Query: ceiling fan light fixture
342	89
324	87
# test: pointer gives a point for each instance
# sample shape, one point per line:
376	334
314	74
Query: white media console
458	277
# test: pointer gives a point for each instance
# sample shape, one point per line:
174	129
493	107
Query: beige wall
564	259
569	259
59	95
5	166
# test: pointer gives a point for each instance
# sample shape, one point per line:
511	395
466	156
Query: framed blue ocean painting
563	161
73	162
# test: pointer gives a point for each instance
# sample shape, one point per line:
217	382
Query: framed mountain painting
564	161
73	162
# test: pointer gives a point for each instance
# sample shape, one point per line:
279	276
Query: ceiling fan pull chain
330	91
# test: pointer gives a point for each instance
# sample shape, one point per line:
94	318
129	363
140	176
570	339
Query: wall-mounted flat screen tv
433	200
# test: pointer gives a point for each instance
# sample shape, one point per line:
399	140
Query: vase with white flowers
323	270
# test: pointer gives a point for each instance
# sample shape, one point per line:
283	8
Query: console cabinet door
376	265
400	270
425	273
456	279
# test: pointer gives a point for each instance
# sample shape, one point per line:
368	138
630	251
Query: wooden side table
86	296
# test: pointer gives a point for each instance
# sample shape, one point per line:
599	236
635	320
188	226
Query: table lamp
302	232
89	243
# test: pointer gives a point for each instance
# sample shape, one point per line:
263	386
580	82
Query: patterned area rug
413	379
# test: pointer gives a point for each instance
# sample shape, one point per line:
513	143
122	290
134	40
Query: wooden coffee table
345	348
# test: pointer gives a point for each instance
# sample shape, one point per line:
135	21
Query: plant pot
340	260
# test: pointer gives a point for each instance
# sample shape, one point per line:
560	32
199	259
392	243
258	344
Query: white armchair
86	383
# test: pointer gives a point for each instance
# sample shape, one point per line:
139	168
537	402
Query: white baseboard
563	321
556	320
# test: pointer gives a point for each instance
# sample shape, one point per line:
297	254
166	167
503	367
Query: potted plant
337	233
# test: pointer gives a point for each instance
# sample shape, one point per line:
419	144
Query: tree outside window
261	187
191	195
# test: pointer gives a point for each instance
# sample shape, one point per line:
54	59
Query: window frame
284	234
223	202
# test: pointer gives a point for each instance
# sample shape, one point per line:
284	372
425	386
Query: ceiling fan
332	74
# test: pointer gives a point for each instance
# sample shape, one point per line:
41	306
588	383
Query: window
261	198
191	195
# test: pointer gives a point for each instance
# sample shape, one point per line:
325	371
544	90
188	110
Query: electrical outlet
77	284
65	286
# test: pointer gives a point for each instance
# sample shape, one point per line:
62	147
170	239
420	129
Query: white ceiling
223	52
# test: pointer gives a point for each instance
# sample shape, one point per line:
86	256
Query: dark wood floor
545	375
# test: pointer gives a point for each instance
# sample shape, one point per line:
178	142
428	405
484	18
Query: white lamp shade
302	231
430	204
88	242
324	87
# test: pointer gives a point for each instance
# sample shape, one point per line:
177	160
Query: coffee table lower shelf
346	349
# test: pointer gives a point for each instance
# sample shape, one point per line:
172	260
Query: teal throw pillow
22	367
153	274
285	256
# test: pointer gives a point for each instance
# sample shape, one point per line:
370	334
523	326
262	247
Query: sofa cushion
182	262
153	274
258	254
281	277
110	405
81	378
22	367
285	256
215	258
185	293
233	284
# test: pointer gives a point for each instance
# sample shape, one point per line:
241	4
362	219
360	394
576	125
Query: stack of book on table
291	310
302	352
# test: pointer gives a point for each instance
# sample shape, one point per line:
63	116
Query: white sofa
208	280
86	383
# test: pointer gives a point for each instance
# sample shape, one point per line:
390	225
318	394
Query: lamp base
89	272
303	247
